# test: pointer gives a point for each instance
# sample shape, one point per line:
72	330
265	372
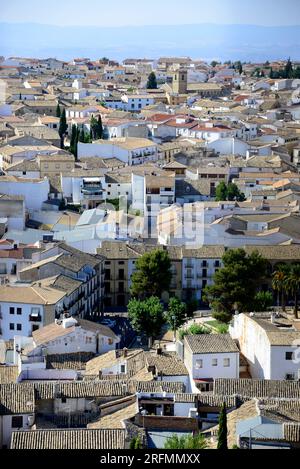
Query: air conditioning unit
193	413
30	420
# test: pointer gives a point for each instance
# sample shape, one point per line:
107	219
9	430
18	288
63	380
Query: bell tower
180	81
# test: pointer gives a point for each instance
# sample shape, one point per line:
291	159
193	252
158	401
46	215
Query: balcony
35	318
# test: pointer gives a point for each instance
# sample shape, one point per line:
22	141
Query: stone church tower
180	81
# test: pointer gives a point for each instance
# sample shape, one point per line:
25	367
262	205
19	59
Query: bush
222	317
195	329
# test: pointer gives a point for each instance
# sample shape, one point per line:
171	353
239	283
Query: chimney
125	352
273	317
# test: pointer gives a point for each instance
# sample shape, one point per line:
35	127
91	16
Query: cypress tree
76	144
58	111
222	433
100	127
73	138
288	71
63	127
152	82
82	136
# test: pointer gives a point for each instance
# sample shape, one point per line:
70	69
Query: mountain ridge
207	41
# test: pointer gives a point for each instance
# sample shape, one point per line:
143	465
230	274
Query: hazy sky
145	12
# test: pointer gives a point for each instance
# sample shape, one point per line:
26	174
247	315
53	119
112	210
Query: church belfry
180	81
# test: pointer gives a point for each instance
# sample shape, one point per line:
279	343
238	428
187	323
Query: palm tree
293	285
186	442
279	283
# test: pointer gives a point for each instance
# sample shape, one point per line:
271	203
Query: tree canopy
96	128
229	192
236	284
186	442
153	275
146	316
177	314
152	82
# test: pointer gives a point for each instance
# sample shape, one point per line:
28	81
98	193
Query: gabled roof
211	343
69	439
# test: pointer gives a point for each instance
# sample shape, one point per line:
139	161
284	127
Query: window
17	422
63	400
11	327
110	341
226	362
11	310
289	356
19	327
123	369
214	362
19	311
199	364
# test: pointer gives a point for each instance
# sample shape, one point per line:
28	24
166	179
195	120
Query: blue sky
145	12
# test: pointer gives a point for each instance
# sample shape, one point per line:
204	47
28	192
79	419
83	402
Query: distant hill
207	41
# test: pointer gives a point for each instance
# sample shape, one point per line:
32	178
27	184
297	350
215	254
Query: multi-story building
270	346
130	150
191	270
61	259
208	357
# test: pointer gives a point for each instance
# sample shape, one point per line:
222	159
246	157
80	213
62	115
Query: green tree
263	300
73	139
58	110
214	63
229	192
82	136
136	443
63	127
221	192
153	274
236	284
223	432
152	82
238	67
96	128
146	316
288	69
186	442
233	193
293	285
279	284
271	74
176	315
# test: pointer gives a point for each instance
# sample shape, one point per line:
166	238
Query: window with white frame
214	362
199	364
226	362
